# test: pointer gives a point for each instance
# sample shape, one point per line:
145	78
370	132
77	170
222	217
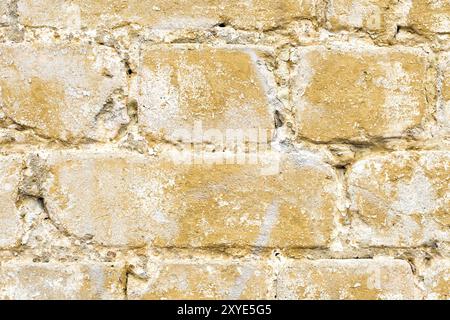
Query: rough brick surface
67	91
444	111
10	170
437	280
368	15
401	199
378	93
220	88
428	16
48	281
211	149
4	13
123	199
346	279
261	14
205	280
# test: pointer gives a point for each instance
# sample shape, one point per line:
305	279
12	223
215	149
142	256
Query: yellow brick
57	281
4	13
380	278
124	199
219	88
401	199
429	16
445	68
444	111
437	280
368	15
357	93
164	13
63	91
198	279
10	171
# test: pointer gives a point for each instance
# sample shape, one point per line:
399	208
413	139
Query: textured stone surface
428	16
120	199
10	170
239	149
444	112
163	14
67	91
220	88
204	280
4	13
368	15
54	281
346	279
437	280
401	199
378	93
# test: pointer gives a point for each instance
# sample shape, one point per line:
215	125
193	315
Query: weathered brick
373	16
444	111
65	281
125	199
4	13
401	199
10	170
428	16
437	280
223	88
261	14
360	279
352	93
67	91
200	279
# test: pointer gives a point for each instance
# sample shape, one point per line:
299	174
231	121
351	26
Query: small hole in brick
222	25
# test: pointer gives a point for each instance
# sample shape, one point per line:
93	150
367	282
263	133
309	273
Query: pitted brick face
139	200
218	88
428	16
347	279
353	95
401	199
162	14
213	280
67	91
224	149
443	113
61	281
370	15
437	280
4	13
10	226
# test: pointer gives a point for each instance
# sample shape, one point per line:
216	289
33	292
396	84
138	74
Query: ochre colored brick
10	171
368	15
356	94
444	111
4	13
64	91
65	281
261	14
221	88
428	16
401	199
445	68
125	199
380	278
198	279
437	280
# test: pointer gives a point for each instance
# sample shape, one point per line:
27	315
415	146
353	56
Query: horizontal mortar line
354	35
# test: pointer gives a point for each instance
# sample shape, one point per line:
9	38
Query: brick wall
206	149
